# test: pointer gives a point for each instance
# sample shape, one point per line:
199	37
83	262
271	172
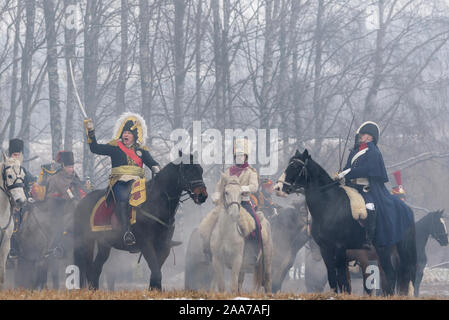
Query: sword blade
80	105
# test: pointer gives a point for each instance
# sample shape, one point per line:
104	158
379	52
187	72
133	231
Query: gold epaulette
113	143
145	148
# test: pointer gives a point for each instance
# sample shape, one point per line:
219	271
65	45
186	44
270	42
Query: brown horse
153	229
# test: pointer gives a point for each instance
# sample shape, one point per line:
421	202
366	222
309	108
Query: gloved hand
88	124
245	190
31	200
155	169
341	175
215	197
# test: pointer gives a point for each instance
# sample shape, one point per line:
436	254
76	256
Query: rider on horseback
65	183
128	154
365	171
263	201
15	150
249	182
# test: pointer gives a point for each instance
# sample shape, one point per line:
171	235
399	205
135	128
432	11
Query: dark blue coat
393	215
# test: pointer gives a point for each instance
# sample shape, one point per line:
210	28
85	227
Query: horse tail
83	251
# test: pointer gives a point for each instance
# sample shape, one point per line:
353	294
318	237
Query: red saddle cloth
103	217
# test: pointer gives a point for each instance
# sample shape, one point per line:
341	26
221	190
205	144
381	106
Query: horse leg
241	279
385	260
83	256
342	271
97	266
419	275
219	283
151	257
328	254
3	256
407	266
236	267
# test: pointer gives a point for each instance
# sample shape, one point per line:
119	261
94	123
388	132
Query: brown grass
175	294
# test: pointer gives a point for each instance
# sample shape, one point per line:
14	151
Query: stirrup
129	238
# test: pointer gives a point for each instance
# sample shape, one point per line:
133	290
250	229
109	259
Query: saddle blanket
103	217
358	207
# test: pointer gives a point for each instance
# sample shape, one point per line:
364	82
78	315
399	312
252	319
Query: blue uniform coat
394	217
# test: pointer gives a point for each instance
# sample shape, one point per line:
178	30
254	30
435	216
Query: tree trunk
120	104
53	78
69	49
198	36
25	92
219	113
144	62
15	71
179	55
90	74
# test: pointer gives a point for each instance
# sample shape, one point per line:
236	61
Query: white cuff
245	189
342	174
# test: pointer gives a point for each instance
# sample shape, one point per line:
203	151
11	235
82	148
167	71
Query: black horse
335	230
153	228
431	225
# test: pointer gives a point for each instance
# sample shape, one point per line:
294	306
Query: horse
431	225
45	240
335	230
289	230
153	229
12	195
230	246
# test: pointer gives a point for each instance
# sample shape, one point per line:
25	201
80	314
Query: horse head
295	176
191	179
438	228
13	177
231	195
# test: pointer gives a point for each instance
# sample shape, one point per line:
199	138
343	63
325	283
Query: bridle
188	185
227	205
303	172
18	182
433	234
7	190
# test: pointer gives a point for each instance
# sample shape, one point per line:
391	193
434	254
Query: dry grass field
175	295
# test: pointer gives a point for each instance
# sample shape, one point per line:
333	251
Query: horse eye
9	176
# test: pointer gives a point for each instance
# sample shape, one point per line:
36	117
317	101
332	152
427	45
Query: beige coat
249	180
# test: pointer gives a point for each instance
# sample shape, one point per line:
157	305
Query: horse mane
323	176
225	179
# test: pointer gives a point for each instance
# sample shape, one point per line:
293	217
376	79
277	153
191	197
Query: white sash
358	155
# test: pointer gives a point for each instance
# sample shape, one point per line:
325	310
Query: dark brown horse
153	228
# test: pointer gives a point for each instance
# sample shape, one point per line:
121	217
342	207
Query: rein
304	173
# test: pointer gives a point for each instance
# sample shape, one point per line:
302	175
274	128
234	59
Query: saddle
357	203
103	217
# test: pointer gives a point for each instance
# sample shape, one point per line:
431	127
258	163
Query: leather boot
370	229
14	247
122	214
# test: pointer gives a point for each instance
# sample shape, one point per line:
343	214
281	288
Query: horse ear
305	154
4	156
297	154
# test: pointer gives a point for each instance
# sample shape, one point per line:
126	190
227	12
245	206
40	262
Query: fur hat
371	128
131	122
15	145
65	158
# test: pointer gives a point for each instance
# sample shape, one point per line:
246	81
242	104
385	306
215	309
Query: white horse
231	249
11	193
